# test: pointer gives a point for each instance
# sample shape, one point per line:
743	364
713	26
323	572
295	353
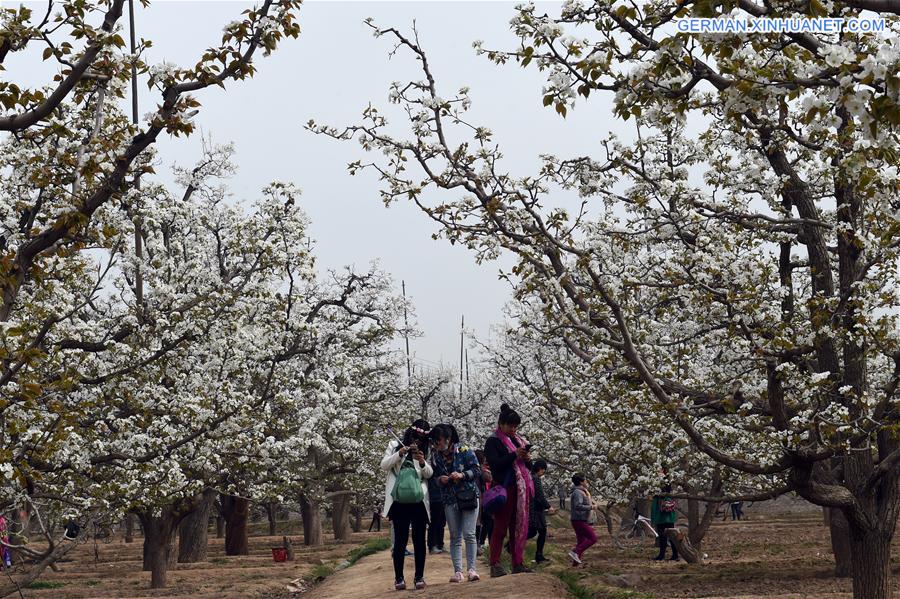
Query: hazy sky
330	74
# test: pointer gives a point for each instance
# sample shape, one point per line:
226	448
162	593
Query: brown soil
373	577
118	571
785	556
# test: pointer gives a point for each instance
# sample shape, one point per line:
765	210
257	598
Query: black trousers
436	527
486	528
376	522
403	516
664	540
541	533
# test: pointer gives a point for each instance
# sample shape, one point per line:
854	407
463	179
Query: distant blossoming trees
159	344
735	259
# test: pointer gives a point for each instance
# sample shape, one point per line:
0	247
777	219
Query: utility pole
467	367
138	236
406	336
462	333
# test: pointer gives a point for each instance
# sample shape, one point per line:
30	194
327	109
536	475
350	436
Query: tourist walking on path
376	521
457	472
581	507
508	455
561	493
540	507
663	515
485	521
737	510
406	497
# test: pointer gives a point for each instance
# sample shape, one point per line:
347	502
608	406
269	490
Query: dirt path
373	577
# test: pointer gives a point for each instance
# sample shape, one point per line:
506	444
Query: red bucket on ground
279	554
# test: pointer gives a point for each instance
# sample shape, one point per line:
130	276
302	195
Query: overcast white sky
330	74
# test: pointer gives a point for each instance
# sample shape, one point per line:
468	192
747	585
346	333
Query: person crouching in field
663	516
540	507
406	497
581	507
458	474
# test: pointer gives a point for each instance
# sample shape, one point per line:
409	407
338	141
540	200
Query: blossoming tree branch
743	275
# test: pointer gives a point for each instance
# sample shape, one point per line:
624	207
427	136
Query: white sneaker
473	576
457	577
575	557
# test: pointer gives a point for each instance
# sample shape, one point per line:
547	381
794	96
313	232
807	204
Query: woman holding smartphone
406	497
507	452
458	473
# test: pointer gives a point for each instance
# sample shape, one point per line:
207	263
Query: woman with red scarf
507	452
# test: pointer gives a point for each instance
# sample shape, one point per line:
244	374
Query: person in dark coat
663	516
485	521
508	454
376	521
540	507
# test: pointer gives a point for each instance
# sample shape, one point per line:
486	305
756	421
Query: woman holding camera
406	497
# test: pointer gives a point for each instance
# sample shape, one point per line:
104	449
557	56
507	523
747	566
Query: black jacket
537	516
500	459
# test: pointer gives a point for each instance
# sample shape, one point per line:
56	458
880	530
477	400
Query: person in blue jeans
458	474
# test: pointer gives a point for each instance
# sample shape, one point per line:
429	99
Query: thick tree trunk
871	557
193	531
840	542
340	514
158	535
878	499
271	511
312	521
236	511
698	524
129	528
607	519
686	551
357	518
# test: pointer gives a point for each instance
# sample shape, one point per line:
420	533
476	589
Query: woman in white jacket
412	453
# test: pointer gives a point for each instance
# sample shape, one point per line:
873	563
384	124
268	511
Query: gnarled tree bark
158	550
236	511
129	528
840	542
271	511
312	521
682	541
193	532
340	513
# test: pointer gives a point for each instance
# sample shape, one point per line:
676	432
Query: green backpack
408	487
